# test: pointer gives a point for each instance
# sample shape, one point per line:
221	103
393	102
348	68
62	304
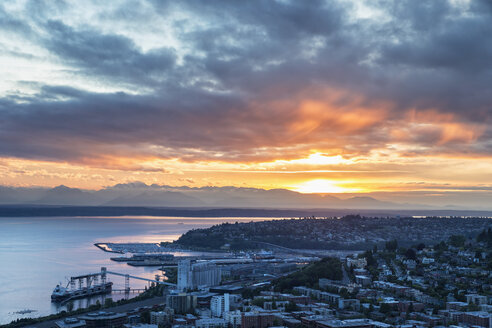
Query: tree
371	261
70	306
410	308
329	268
108	302
457	240
344	293
291	307
385	308
441	246
411	254
145	317
391	245
485	236
260	301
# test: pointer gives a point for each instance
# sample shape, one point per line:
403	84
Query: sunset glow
181	96
321	186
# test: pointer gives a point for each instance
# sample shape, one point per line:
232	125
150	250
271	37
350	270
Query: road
118	309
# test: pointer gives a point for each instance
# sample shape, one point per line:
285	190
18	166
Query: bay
38	253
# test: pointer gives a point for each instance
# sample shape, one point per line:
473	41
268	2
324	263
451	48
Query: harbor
91	284
59	249
68	251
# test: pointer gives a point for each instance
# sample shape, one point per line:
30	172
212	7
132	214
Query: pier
131	291
89	279
127	279
86	281
93	277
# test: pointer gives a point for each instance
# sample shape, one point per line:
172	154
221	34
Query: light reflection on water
38	253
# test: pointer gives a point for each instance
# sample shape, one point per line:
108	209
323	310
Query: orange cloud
318	116
450	128
431	127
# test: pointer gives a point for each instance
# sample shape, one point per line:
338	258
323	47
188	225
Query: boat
144	257
61	293
152	263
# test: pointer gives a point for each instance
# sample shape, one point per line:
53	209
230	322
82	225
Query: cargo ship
61	293
89	285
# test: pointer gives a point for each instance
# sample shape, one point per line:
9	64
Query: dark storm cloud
247	69
108	55
440	57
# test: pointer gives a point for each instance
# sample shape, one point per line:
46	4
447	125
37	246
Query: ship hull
83	293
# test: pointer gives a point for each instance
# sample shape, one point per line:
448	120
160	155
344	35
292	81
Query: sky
388	97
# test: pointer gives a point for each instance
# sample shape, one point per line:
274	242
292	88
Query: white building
427	260
184	275
219	305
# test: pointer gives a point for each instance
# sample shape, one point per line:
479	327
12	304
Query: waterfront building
205	275
184	275
197	275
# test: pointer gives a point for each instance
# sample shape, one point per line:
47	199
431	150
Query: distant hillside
49	210
351	232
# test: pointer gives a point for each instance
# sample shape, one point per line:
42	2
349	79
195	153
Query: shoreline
13	211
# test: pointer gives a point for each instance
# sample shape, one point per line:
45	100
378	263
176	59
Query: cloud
112	56
248	82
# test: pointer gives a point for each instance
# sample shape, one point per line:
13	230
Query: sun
321	186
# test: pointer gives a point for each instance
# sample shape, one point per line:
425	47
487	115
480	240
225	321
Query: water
38	253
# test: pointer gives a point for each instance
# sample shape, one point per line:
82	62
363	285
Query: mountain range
141	194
